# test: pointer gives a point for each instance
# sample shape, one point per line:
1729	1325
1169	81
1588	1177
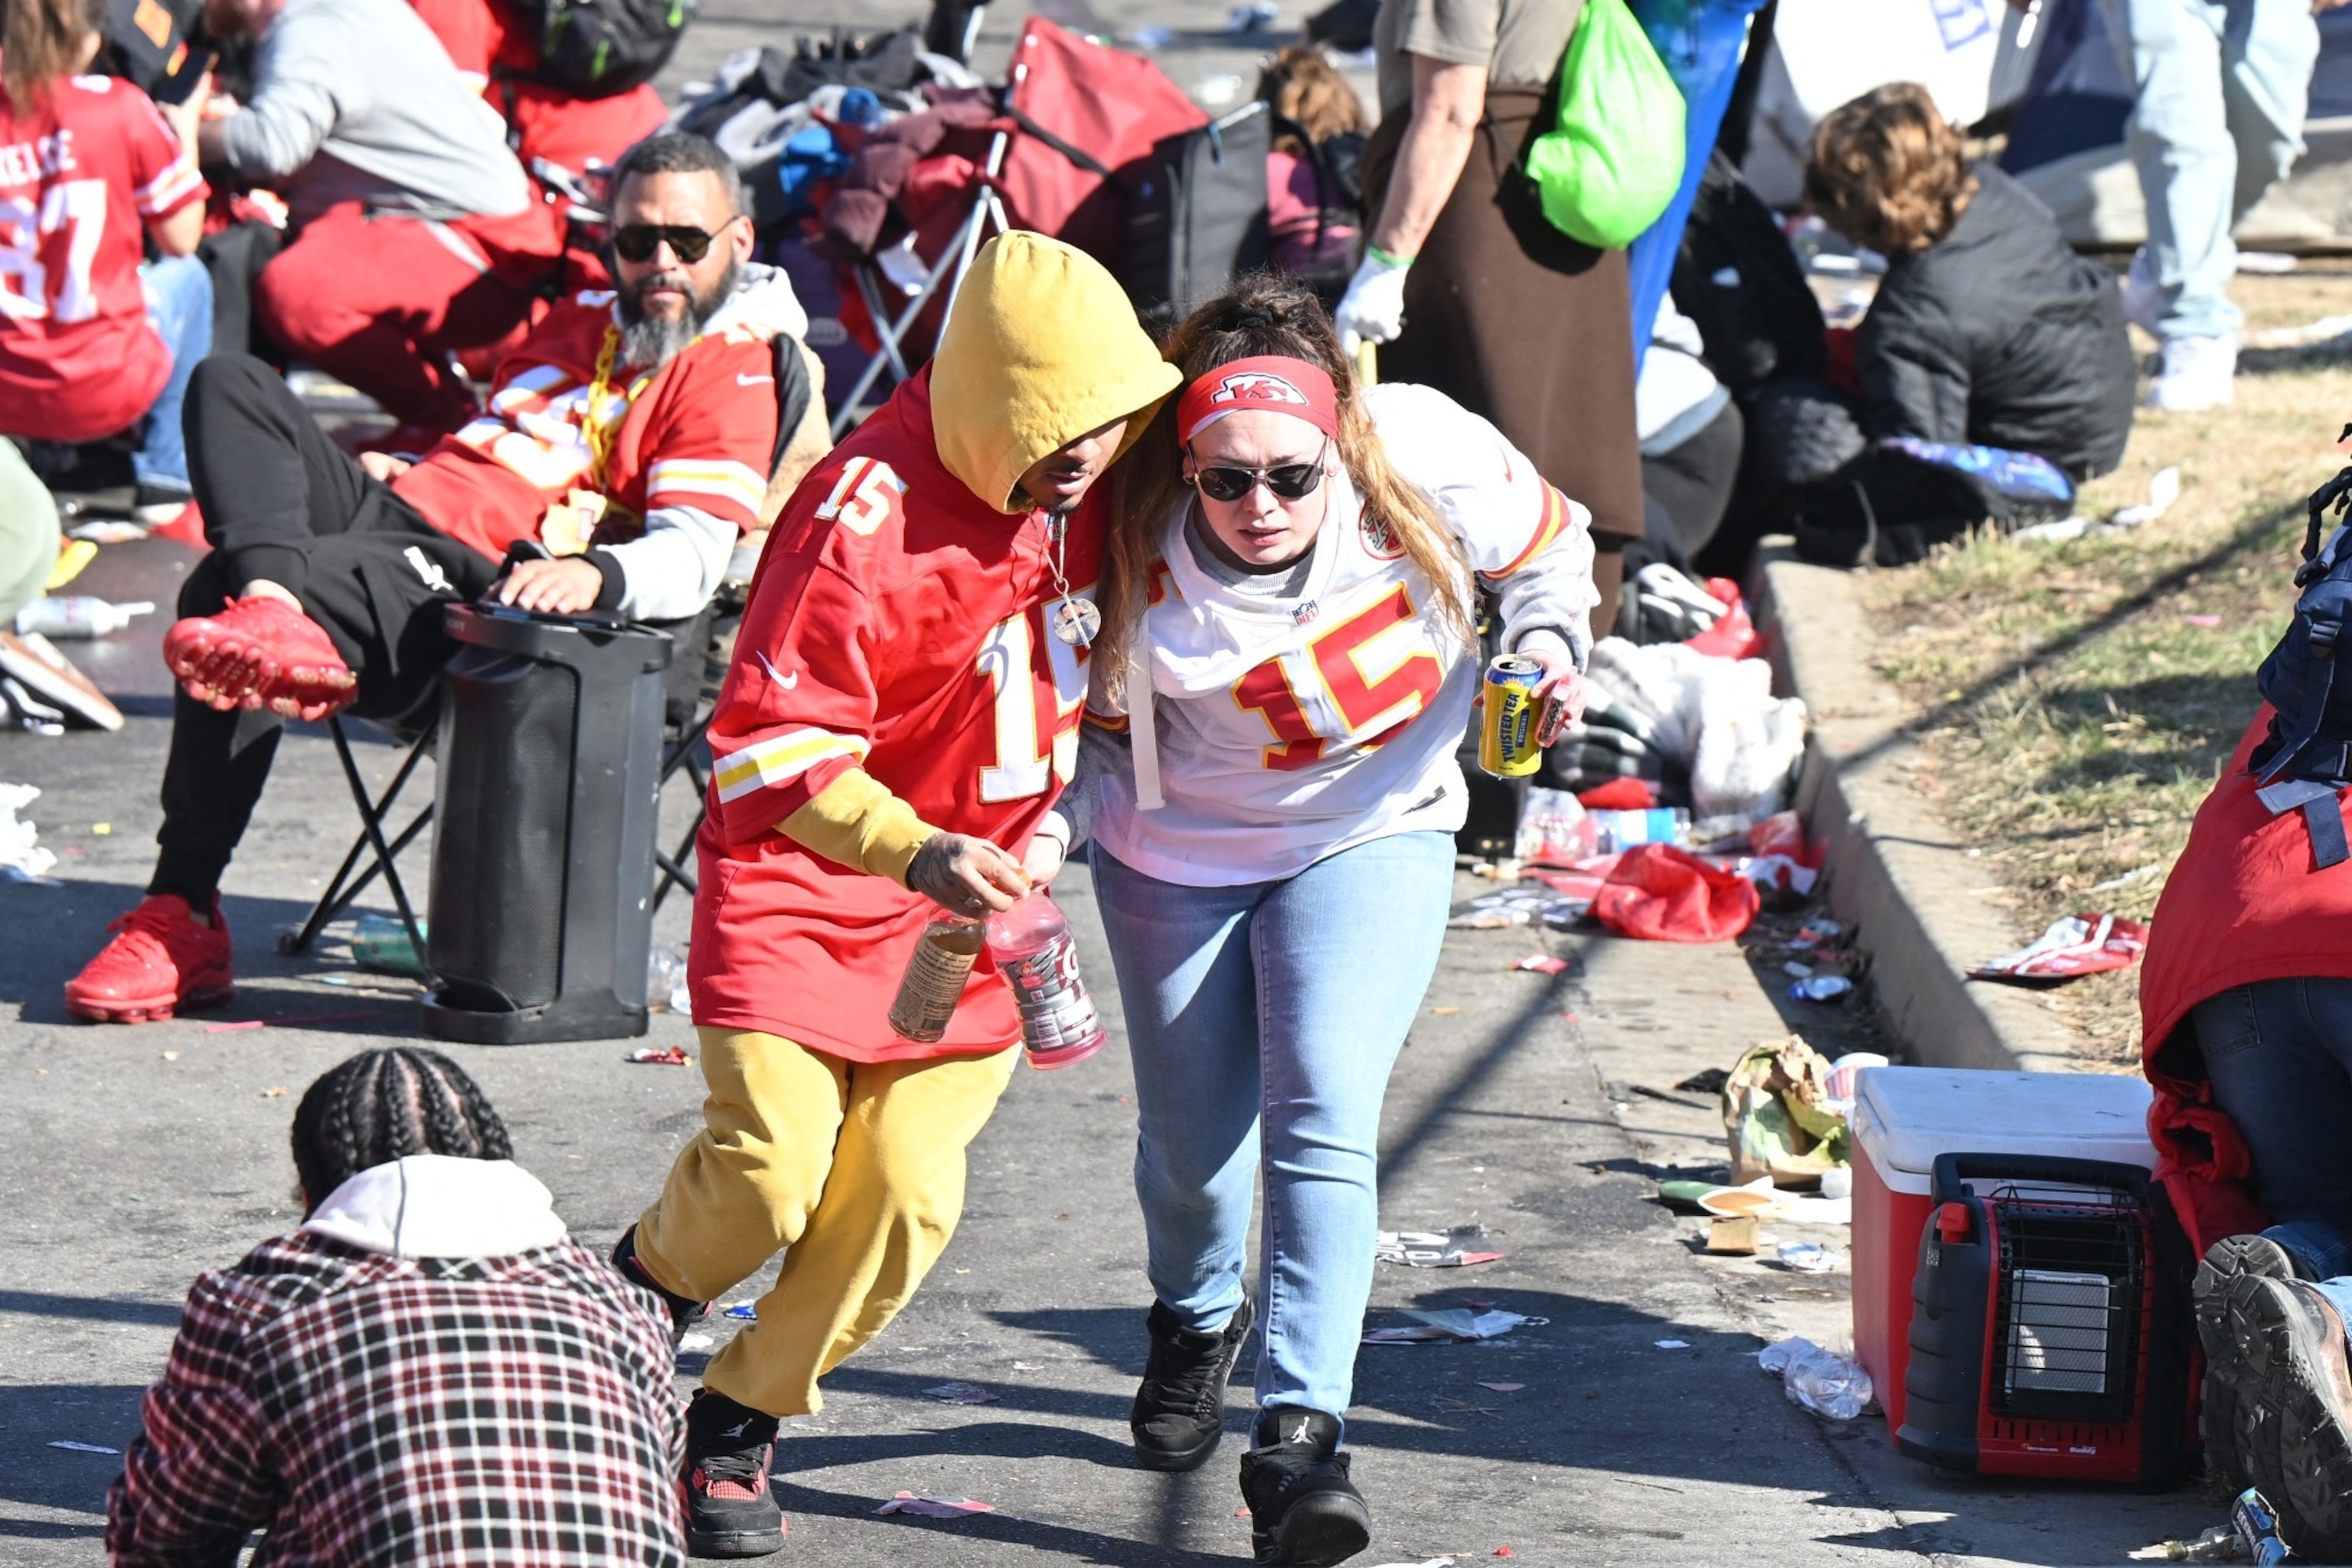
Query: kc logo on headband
1255	386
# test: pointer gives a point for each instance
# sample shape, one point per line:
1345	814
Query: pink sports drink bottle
1032	944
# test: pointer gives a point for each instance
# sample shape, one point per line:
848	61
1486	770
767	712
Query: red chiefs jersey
80	172
698	433
898	624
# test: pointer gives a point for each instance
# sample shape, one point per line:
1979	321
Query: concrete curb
1919	907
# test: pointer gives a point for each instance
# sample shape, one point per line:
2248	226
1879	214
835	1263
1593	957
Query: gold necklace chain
599	433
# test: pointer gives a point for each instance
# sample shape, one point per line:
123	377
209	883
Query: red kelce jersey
898	624
80	172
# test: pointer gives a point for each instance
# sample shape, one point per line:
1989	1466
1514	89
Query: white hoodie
438	1205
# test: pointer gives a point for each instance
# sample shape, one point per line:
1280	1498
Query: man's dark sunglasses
1290	482
638	241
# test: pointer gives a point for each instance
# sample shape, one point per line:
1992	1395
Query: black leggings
284	503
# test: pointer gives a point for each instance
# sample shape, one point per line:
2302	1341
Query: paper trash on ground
2163	490
934	1507
960	1394
1452	1324
1447	1248
22	859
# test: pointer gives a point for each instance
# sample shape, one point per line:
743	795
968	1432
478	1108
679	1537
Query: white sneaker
2143	300
2196	373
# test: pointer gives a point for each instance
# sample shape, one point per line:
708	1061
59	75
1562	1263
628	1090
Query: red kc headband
1270	381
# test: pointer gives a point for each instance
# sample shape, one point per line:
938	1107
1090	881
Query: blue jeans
2279	1054
180	305
1262	1020
2221	86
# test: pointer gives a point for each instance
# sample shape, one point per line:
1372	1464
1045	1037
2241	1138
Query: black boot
2230	1411
1303	1507
1180	1410
685	1311
730	1509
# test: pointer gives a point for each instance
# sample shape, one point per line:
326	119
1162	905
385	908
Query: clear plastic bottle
935	977
665	981
1031	942
77	616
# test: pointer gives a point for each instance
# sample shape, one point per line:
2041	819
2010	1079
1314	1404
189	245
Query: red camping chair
1076	115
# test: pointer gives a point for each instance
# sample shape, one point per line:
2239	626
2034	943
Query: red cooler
1903	1118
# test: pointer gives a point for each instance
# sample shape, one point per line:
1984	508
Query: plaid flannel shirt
369	1409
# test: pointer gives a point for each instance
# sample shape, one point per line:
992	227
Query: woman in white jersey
1288	623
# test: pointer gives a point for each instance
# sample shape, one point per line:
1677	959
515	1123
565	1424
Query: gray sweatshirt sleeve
302	88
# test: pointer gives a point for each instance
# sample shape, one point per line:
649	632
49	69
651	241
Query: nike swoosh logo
743	380
786	682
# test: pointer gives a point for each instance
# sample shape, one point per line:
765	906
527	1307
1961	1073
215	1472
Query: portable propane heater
2049	1333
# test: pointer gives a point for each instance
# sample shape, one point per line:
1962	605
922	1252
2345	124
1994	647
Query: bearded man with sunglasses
625	447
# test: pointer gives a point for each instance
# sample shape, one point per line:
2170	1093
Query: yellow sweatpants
854	1170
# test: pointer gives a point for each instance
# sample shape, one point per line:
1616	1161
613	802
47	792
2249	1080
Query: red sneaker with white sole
162	960
260	652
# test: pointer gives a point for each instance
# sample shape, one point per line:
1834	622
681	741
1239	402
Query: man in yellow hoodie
902	712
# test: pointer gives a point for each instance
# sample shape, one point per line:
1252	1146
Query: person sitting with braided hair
427	1370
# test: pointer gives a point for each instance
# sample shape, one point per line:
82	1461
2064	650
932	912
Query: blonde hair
1888	170
1302	86
1264	313
41	42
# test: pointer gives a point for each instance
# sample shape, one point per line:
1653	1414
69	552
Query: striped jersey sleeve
163	173
714	435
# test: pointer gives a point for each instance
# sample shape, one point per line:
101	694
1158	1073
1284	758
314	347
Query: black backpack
1196	213
2307	757
597	49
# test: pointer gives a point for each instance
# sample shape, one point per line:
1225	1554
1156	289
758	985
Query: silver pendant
1075	621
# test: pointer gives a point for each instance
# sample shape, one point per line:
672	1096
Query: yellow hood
1042	347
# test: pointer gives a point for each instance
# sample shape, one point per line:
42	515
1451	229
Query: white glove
1372	311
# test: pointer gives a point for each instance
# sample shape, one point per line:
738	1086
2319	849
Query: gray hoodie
356	100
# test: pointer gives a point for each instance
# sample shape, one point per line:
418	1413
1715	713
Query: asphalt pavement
1541	1107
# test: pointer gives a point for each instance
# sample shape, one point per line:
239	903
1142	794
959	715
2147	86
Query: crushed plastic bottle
1823	1381
665	981
381	942
77	616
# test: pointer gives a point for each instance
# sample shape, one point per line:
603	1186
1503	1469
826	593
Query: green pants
28	535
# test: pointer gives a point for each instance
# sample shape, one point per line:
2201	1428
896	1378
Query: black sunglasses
638	241
1289	481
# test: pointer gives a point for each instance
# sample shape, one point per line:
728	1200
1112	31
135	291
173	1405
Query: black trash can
544	817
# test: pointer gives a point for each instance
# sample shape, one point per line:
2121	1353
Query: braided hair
381	1105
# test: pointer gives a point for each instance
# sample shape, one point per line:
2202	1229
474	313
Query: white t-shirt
1290	727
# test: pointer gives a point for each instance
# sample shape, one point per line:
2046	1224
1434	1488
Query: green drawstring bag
1608	169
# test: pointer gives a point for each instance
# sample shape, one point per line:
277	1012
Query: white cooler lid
1905	1117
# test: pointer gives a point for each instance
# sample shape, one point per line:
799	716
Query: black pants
284	503
1693	481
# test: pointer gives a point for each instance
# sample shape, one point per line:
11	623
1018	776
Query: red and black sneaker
163	961
260	652
730	1510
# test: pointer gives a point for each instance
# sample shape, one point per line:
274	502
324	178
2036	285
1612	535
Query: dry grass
2072	714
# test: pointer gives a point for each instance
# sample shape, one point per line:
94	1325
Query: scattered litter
1502	1552
1672	1344
1823	1381
1452	1324
77	617
240	1024
1814	932
2128	878
101	828
2326	332
1443	1012
1797	971
381	942
171	1056
1504	1387
1028	1366
666	987
935	1507
1710	1081
1807	1256
695	1342
1253	17
1530	905
107	531
1843	1074
72	1447
1754	1200
1541	964
1447	1248
2202	620
674	1057
960	1394
22	858
2084	943
2163	490
273	1094
746	1310
1732	1235
2250	1536
1820	988
1775	1116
